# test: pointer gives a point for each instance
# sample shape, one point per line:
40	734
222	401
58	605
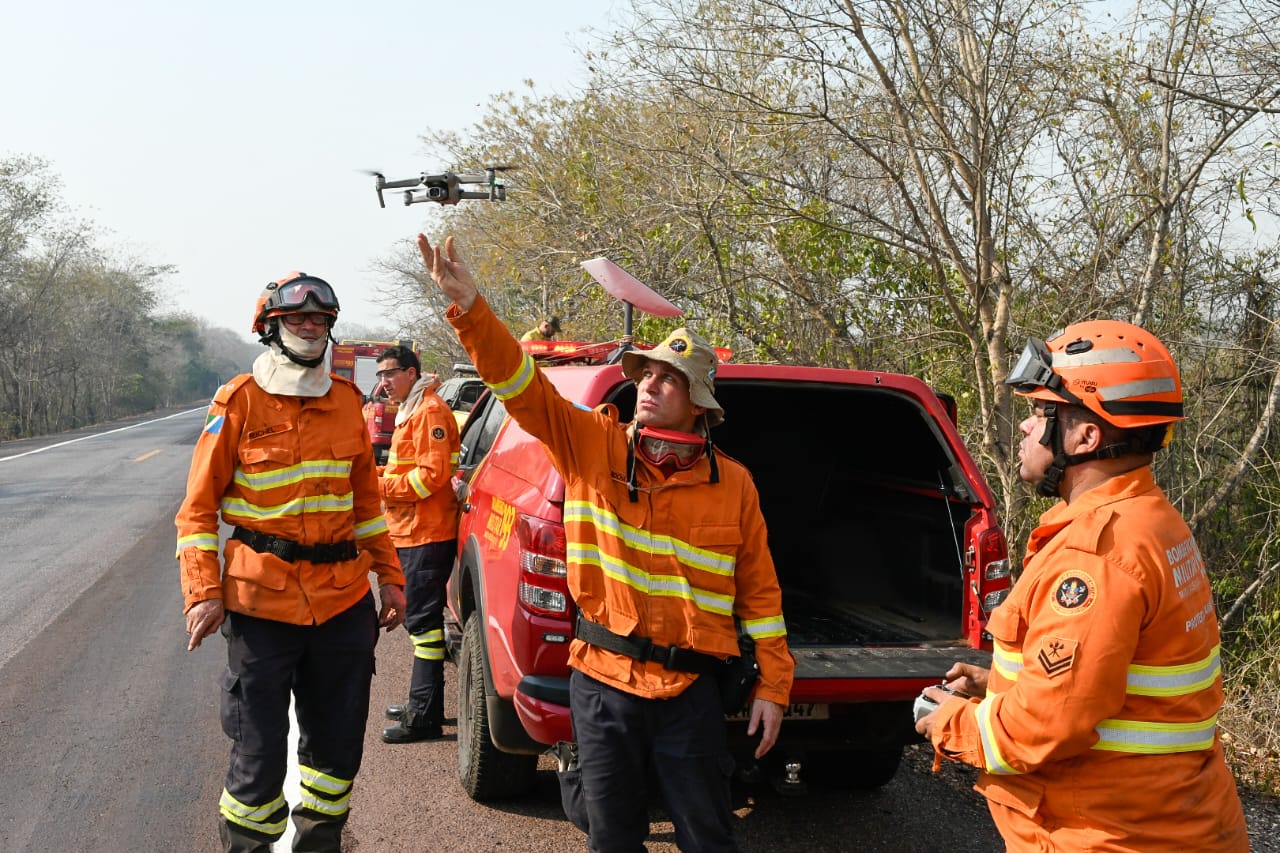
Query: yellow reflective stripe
429	645
455	459
1005	662
1149	738
768	626
336	808
203	541
324	793
276	477
517	383
642	540
323	782
994	760
669	586
258	818
392	460
415	479
1179	680
297	506
372	527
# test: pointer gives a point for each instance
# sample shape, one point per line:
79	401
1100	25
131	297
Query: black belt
645	649
289	551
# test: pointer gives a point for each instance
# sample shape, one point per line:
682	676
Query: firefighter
422	516
285	458
544	331
667	546
1096	726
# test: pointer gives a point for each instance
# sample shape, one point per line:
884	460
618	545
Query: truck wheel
486	772
853	769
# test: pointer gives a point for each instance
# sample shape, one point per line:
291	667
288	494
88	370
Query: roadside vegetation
83	338
919	186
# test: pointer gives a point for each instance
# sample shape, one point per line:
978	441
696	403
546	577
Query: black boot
238	839
317	833
396	712
402	732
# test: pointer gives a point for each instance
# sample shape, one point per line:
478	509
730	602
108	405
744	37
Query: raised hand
448	271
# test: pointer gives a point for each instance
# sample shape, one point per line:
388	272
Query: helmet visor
1033	369
294	295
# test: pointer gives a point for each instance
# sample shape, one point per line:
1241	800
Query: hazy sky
225	138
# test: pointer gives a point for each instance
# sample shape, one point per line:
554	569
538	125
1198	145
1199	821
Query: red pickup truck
883	531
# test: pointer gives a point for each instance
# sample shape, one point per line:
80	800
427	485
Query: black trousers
621	736
328	669
426	573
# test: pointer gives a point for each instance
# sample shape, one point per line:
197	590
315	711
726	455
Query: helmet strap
1052	438
1052	480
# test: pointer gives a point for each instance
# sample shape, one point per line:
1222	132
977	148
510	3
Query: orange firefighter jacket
1099	727
416	482
676	566
300	468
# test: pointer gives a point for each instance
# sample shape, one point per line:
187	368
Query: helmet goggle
662	447
1034	368
293	295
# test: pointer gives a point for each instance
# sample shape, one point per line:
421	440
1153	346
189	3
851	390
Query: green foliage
78	341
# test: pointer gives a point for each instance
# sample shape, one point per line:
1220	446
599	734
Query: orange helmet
297	291
1119	371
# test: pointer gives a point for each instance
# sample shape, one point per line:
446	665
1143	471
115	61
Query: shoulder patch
1074	592
1056	656
438	433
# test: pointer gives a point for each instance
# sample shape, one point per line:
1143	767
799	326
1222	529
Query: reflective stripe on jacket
1098	730
300	468
676	566
416	482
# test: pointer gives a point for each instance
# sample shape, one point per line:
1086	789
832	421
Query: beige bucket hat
687	352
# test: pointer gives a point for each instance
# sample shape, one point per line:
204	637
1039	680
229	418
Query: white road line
100	434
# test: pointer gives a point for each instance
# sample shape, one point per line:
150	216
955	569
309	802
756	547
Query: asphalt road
109	734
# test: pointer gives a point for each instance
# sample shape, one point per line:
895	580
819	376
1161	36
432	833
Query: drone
445	187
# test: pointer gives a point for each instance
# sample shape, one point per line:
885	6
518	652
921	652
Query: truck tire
854	769
486	773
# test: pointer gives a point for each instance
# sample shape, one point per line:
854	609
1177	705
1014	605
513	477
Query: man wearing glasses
422	515
286	460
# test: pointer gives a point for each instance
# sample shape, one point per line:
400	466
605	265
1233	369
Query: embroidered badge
269	430
1073	592
1056	656
438	433
213	423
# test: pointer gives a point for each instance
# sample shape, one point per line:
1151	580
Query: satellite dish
625	287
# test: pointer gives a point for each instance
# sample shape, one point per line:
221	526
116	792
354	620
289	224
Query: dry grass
1250	718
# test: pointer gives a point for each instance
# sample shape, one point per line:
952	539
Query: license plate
794	711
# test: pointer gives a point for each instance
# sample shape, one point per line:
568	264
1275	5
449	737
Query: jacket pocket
246	564
721	537
1018	793
351	571
259	458
348	448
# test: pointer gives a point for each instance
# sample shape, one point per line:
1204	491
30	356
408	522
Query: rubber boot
317	833
237	839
